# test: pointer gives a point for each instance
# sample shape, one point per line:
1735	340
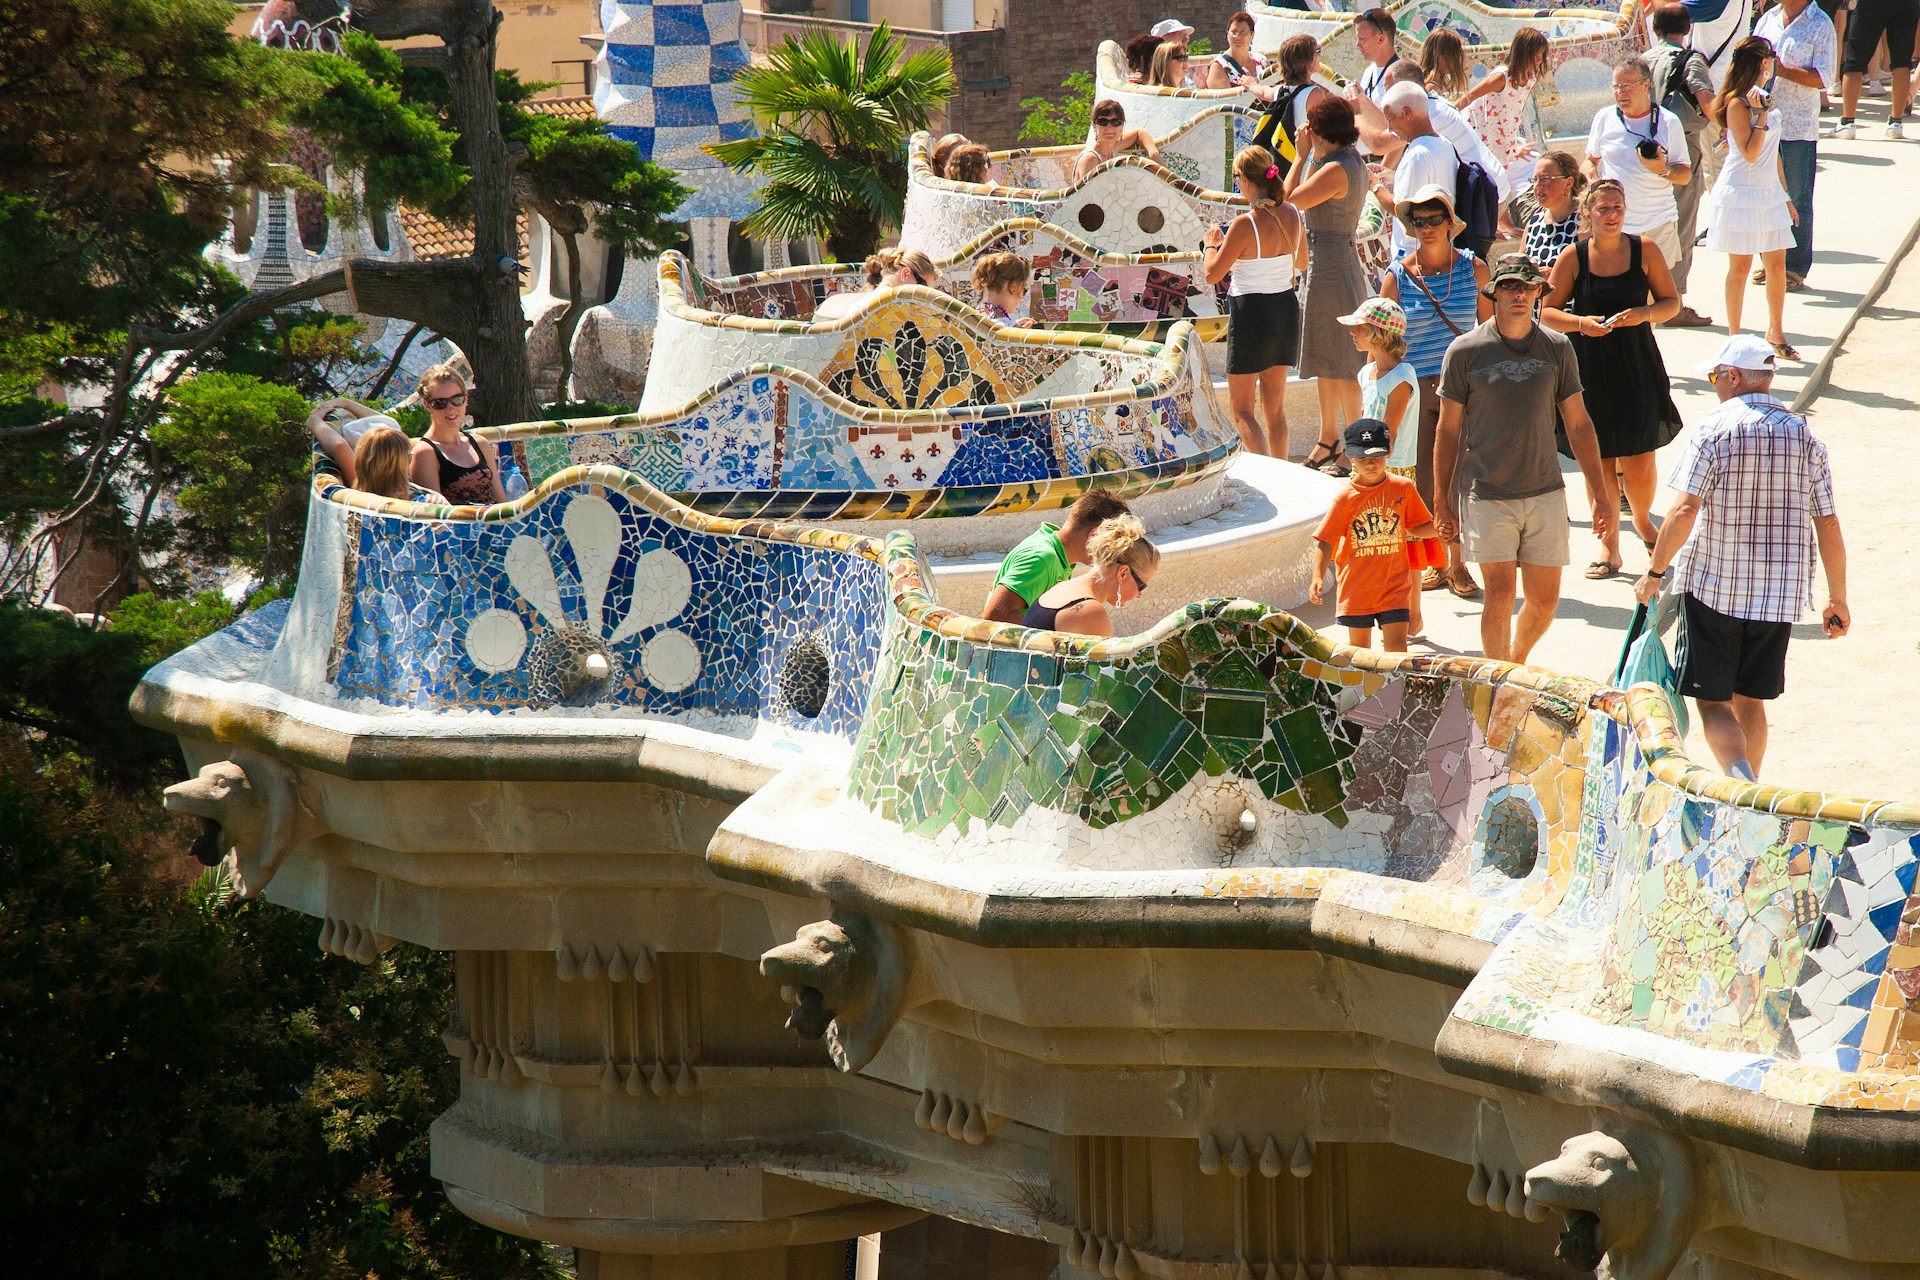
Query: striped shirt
1428	336
1761	477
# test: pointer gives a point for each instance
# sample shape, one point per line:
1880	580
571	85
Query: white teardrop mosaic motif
496	639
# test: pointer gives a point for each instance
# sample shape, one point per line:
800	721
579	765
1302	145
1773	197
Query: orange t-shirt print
1367	530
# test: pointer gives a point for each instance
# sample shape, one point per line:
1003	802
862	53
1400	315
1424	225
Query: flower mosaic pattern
907	370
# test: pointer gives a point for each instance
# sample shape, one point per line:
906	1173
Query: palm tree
834	119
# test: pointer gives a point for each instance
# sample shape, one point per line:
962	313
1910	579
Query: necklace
1427	273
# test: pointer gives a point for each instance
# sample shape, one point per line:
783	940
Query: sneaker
1844	130
1895	129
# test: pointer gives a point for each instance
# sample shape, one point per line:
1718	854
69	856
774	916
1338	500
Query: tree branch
393	365
65	422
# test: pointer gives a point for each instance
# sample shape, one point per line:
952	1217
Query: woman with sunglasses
1123	564
449	457
1557	187
1111	137
1170	63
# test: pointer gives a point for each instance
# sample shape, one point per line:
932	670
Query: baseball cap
1368	438
1382	313
1741	351
1513	266
1170	27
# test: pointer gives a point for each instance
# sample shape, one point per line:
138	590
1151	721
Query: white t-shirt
1426	160
1454	127
1615	142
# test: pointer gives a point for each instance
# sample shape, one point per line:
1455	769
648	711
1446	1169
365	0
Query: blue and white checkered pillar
664	81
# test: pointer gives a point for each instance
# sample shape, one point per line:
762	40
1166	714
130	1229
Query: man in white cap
1756	498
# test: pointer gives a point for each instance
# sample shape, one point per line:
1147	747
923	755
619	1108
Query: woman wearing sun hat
1439	288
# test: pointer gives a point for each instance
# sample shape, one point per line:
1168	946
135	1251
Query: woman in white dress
1748	212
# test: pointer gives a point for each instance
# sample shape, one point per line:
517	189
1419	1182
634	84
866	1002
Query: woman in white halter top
1263	249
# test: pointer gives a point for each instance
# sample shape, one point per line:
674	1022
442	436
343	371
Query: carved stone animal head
1628	1196
254	800
846	978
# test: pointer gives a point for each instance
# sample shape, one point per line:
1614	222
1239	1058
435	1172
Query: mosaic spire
664	81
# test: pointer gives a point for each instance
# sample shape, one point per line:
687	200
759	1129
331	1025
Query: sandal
1601	570
1320	464
1463	585
1785	351
1433	579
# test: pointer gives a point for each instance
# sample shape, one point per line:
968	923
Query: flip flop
1601	570
1464	587
1433	579
1785	351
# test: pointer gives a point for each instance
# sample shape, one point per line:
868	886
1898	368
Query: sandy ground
1847	723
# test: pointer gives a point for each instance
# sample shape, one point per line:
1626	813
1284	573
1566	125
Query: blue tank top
1428	336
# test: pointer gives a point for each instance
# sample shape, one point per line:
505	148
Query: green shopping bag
1644	660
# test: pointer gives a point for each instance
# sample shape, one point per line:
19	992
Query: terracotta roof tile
433	237
576	108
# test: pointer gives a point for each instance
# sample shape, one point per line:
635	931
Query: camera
1649	150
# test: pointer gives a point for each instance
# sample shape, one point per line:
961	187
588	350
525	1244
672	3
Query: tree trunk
576	307
493	327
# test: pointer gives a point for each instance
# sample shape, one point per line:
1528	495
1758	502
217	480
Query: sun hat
1381	313
1741	351
1169	27
1432	193
1514	266
1367	438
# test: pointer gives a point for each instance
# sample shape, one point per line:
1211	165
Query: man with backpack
1683	84
1426	159
1639	144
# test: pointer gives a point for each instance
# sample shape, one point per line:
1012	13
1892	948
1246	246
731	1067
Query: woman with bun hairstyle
885	269
1123	564
1262	249
1001	281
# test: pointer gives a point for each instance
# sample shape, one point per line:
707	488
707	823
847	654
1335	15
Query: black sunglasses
1429	219
447	402
1139	587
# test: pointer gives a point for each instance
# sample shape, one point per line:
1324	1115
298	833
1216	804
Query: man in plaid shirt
1755	499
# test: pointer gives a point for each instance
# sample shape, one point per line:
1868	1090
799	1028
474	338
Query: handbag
1644	660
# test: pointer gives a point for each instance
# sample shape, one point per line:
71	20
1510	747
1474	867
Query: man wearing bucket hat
1499	387
1756	498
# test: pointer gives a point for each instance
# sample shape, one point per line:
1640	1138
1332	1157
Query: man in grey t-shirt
1499	386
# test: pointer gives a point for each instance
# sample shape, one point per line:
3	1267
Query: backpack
1476	202
1670	90
1275	131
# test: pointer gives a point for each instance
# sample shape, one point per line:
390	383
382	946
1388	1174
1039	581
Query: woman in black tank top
449	457
1124	562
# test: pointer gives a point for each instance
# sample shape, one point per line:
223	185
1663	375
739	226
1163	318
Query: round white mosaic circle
496	640
671	661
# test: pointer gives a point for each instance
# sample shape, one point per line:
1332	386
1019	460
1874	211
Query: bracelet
1656	576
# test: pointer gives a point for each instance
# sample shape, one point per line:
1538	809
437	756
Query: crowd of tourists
1451	383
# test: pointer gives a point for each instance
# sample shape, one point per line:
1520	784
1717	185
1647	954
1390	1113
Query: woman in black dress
1606	293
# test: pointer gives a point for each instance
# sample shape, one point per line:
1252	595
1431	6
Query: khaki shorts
1523	530
1667	236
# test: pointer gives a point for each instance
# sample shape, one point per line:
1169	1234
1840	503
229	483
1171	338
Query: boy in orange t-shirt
1365	537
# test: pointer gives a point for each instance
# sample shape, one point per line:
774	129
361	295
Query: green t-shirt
1036	564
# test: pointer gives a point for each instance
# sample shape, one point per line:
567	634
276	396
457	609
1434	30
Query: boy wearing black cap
1365	538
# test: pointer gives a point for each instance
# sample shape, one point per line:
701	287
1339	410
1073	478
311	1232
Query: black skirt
1263	331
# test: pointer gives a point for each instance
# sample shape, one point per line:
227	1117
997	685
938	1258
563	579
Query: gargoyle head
255	802
846	978
1628	1197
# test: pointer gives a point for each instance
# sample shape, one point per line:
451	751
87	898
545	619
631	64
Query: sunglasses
447	402
1109	124
1139	587
1426	220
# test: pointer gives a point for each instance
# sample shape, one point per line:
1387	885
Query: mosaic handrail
1074	283
919	166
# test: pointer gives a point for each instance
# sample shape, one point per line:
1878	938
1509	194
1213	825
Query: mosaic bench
914	406
1076	284
1130	204
1160	110
1714	947
1727	958
1584	46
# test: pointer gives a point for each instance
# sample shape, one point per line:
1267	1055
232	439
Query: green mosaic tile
1225	717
